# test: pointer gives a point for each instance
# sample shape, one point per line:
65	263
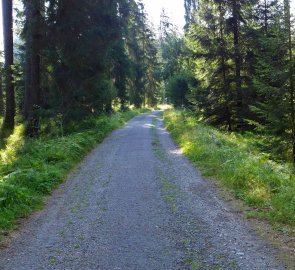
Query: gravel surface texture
136	202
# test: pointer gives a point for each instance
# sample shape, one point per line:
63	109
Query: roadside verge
31	168
267	188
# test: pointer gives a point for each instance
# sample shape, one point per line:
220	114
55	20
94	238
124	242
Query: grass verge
267	186
31	168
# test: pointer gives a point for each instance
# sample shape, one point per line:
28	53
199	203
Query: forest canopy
75	60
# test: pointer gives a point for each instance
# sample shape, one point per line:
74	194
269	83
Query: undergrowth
31	168
267	186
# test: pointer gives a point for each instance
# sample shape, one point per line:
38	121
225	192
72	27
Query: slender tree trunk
27	96
190	6
8	52
223	67
291	73
32	98
265	17
236	32
1	95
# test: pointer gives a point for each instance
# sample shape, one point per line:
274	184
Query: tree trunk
265	15
190	6
1	95
223	67
8	52
236	32
32	98
291	73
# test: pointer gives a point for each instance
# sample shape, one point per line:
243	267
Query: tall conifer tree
8	54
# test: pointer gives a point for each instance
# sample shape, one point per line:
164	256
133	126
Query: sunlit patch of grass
31	168
164	107
12	145
233	159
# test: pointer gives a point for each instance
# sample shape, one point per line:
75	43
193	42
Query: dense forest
236	70
72	61
232	65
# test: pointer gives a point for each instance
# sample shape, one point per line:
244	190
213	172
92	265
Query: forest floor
136	202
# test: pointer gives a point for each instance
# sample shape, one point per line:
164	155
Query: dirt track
136	203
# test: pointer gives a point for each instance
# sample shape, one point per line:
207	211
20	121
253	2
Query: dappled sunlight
164	107
176	152
13	144
148	126
163	130
187	146
257	194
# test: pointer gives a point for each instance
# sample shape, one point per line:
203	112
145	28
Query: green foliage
239	52
190	6
171	47
238	164
80	55
175	78
79	60
272	114
177	89
212	57
32	168
142	49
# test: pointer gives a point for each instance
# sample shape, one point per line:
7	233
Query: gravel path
136	203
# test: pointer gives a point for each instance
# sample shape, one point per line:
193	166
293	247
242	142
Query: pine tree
269	78
83	38
1	92
33	40
288	24
190	6
8	53
235	25
142	51
210	47
171	45
121	69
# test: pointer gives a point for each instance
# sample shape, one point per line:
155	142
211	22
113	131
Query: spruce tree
33	41
1	93
210	46
8	66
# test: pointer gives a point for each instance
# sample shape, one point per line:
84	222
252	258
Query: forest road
136	202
